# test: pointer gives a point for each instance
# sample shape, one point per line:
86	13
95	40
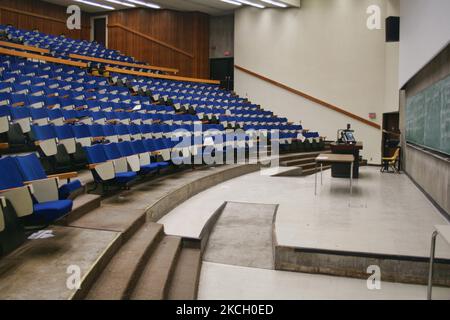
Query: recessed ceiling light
122	3
150	5
275	3
252	4
95	4
232	2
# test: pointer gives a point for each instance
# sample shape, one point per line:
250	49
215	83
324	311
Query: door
99	30
223	69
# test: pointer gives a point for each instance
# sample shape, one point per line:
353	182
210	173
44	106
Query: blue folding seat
144	153
22	117
82	134
134	159
31	169
39	116
4	119
45	138
36	205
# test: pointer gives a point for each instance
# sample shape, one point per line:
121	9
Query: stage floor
387	213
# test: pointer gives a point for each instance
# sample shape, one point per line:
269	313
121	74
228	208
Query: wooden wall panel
186	31
47	17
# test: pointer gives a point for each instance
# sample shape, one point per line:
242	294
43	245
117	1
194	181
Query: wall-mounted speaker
392	29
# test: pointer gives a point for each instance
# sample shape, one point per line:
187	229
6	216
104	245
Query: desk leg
351	178
321	173
315	179
430	271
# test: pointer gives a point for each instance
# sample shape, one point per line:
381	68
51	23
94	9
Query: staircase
150	266
304	161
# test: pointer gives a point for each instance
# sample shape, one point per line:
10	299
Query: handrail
23	47
122	63
110	69
43	58
160	76
145	36
310	98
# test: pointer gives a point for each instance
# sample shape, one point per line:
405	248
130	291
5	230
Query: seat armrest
65	175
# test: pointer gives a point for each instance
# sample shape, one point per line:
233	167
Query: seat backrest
112	151
41	133
10	176
64	132
30	167
125	148
96	154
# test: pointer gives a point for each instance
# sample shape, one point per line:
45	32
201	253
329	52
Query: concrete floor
226	282
387	214
242	236
39	268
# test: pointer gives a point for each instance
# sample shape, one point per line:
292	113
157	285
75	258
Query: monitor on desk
348	137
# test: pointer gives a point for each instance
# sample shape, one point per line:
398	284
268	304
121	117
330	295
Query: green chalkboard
428	117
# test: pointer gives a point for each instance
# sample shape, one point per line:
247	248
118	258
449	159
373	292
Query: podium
340	170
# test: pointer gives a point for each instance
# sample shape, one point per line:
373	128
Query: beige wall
323	49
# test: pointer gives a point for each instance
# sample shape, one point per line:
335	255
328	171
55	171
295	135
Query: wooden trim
35	15
160	76
121	63
23	47
149	38
43	58
4	145
64	176
310	98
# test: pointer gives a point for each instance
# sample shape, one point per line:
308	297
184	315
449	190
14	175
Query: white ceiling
212	7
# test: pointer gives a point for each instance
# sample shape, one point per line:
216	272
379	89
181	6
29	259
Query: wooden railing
149	38
122	63
23	47
110	69
160	76
309	97
27	55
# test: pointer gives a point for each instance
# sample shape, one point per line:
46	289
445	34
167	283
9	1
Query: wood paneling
44	16
163	38
308	97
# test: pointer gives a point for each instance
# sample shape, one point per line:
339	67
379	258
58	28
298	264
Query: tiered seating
121	126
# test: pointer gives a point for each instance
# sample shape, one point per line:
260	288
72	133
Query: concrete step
81	205
310	171
186	276
121	274
298	162
301	155
154	281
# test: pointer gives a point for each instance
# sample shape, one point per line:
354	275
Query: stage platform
387	222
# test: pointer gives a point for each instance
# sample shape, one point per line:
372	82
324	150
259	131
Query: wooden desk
333	158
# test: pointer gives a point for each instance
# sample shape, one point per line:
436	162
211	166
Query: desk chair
391	162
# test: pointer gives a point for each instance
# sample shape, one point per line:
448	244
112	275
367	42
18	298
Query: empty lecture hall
212	152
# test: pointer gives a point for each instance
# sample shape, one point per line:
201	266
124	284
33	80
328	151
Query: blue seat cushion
66	189
162	164
149	168
47	212
125	177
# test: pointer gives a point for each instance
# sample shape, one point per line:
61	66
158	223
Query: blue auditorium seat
31	169
36	213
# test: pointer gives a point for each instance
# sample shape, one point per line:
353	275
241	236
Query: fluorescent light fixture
95	4
232	2
252	4
275	3
150	5
122	3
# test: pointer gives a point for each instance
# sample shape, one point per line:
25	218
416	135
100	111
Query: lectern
340	170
